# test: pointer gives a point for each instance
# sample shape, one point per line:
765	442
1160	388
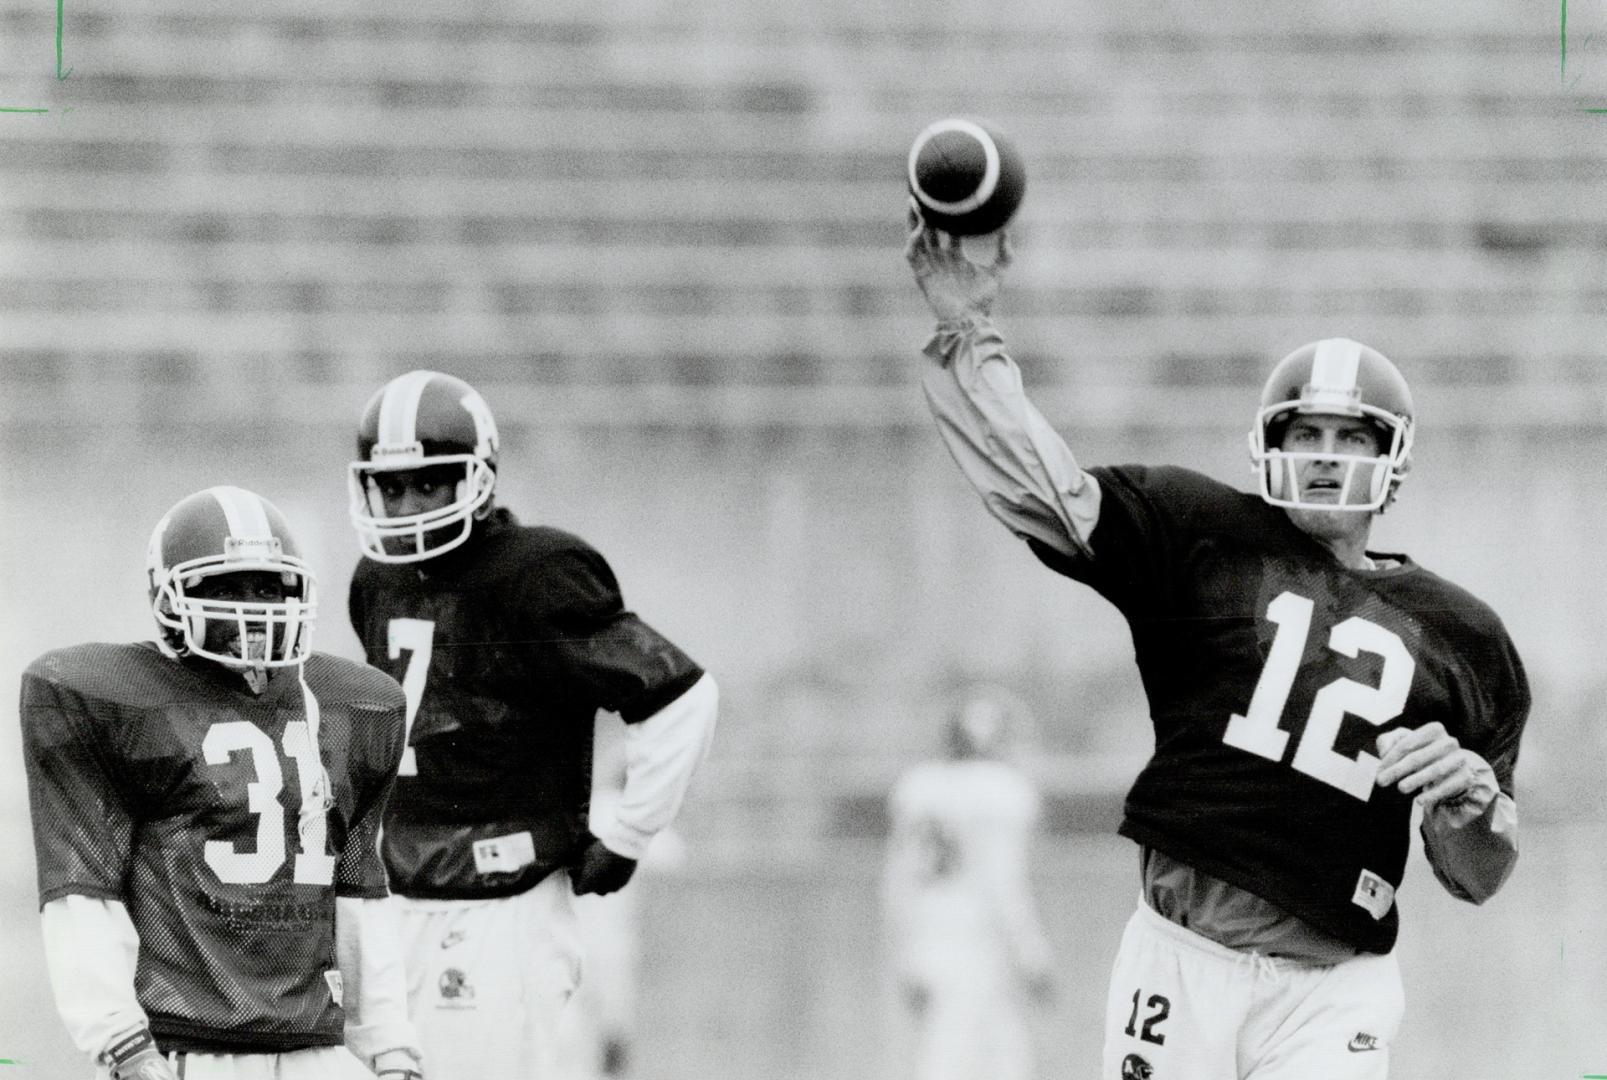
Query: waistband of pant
1157	923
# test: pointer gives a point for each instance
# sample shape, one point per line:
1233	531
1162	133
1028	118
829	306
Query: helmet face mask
424	535
418	421
1333	377
202	604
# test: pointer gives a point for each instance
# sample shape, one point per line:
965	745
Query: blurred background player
507	640
205	810
1303	689
967	950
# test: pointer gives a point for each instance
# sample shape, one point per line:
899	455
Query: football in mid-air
965	178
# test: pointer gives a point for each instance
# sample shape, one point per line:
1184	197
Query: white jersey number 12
1257	730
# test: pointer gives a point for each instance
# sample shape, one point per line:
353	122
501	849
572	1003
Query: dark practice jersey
507	647
1270	670
169	787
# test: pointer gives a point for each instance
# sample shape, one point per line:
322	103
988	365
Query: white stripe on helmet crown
485	428
247	517
1334	367
398	410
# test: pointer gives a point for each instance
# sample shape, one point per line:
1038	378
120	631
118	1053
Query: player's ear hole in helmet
418	431
227	582
1334	377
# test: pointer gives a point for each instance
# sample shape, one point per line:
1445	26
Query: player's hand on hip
1444	777
953	285
598	870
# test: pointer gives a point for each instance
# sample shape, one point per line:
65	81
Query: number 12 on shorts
1159	1008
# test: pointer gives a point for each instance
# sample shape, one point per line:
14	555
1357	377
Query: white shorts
315	1063
1182	1006
488	979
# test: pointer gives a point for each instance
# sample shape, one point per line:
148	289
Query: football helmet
422	420
1333	377
228	530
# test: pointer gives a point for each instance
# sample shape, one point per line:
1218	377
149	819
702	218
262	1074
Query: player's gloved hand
397	1065
599	870
953	285
135	1057
1429	763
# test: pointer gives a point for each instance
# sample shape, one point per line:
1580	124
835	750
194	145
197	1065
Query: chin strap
256	678
322	795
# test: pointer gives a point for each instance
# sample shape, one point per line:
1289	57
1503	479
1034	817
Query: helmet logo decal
251	548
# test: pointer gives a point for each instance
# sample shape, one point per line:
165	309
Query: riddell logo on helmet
410	451
251	547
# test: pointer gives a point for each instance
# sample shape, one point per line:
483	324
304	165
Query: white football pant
488	979
1181	1005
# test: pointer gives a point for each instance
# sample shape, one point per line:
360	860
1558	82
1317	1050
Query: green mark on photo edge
1562	72
60	20
5	110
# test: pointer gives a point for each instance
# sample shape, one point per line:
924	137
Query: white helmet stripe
1335	363
247	519
398	411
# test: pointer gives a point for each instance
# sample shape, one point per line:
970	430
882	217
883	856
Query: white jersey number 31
1257	730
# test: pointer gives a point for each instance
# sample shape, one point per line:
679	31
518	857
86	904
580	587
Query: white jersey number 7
417	638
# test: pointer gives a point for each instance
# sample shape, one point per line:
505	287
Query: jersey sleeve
1009	453
360	873
1143	518
1507	711
82	826
620	662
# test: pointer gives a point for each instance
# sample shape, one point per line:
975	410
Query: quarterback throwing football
1304	691
508	639
205	810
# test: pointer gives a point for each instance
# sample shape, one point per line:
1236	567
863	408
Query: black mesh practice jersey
166	785
507	647
1270	671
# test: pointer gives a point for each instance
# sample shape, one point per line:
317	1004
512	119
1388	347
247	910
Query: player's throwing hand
1429	763
953	285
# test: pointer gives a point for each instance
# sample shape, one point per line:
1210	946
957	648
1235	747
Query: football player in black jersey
508	639
1304	689
205	812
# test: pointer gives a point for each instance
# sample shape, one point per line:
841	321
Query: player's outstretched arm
368	951
1021	467
1470	826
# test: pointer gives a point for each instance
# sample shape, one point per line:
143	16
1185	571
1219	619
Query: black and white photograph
724	540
